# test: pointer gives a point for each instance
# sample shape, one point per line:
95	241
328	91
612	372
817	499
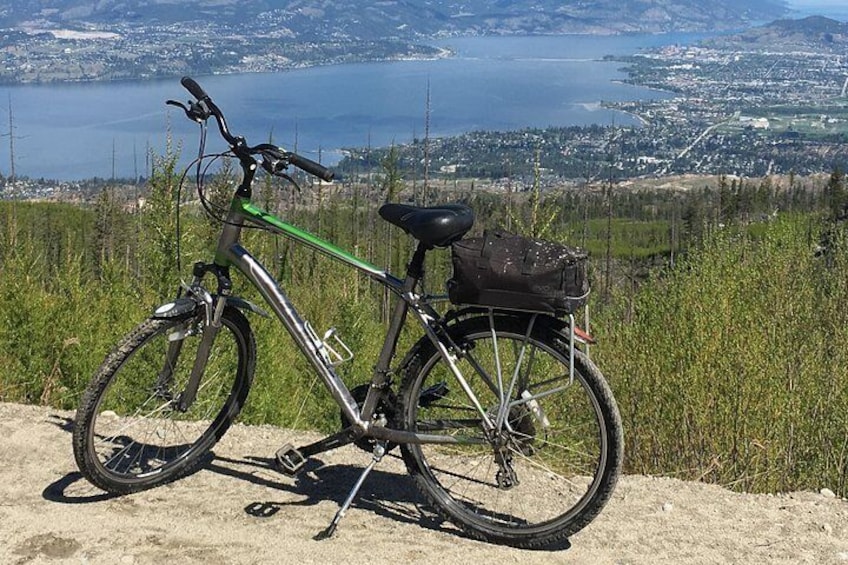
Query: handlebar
191	85
311	167
275	159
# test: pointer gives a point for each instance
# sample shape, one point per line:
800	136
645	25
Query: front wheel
529	474
130	432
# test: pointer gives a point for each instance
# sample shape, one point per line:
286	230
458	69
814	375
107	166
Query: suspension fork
214	310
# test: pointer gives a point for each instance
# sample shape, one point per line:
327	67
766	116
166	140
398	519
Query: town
751	105
127	52
770	100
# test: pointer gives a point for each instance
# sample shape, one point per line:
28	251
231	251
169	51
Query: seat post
415	268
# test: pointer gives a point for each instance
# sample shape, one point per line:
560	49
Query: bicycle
490	405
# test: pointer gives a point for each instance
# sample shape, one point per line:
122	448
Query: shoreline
432	42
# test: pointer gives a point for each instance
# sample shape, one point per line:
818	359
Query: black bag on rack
504	270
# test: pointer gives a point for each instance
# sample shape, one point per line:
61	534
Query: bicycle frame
231	253
137	434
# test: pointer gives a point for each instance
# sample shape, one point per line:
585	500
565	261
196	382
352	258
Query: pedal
289	459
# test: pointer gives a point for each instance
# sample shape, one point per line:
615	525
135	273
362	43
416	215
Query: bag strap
490	236
531	253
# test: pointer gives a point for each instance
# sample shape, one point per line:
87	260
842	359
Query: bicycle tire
558	462
128	436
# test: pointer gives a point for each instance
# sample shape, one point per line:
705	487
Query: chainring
386	405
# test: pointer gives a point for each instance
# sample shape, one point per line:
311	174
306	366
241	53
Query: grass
733	368
730	367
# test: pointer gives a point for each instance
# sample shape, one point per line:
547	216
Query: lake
76	131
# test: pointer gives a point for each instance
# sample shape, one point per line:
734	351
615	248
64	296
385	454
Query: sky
833	3
837	9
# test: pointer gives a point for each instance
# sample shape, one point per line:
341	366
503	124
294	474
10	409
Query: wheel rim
136	432
556	448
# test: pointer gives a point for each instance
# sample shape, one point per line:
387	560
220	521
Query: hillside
375	19
82	40
817	34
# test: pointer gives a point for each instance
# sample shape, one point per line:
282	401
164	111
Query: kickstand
379	452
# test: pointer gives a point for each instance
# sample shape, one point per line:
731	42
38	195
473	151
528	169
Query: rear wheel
129	432
532	473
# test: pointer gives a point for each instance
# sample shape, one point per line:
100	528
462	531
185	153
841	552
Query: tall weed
734	368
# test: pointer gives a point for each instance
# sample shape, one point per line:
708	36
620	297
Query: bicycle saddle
438	226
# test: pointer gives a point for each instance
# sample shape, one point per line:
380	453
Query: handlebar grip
311	167
191	85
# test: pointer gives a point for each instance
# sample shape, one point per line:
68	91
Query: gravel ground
239	510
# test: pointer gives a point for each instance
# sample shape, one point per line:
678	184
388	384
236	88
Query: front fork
213	310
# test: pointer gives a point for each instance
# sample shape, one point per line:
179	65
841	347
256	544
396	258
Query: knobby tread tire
442	501
83	434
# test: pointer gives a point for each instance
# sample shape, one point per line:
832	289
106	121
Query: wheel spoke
127	439
542	470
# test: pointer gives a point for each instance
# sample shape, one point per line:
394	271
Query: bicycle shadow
72	488
384	493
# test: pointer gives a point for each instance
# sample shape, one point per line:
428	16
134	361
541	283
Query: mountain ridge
83	40
815	33
375	19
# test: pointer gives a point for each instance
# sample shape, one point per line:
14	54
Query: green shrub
734	369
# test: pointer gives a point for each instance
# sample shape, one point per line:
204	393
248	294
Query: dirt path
238	510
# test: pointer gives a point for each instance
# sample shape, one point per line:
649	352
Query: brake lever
195	111
177	104
276	167
288	178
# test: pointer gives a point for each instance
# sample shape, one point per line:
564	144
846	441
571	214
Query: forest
719	310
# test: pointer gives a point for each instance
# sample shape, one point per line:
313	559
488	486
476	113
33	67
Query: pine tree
835	195
160	222
105	237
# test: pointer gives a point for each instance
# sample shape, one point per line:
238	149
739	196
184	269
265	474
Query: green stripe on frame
264	218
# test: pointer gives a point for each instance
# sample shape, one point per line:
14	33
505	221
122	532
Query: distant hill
814	33
379	19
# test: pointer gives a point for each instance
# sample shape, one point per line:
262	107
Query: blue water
74	131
